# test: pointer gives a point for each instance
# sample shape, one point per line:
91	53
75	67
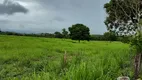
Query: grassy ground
31	58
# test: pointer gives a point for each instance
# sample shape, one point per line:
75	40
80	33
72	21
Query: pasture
35	58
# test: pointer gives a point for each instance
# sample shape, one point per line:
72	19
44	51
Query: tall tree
124	17
64	33
79	32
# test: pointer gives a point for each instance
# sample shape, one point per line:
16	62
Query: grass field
32	58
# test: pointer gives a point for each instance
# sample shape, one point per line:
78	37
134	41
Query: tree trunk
137	65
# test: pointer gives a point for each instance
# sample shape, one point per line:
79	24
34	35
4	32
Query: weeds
82	61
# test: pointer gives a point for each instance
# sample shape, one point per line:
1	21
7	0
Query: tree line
75	32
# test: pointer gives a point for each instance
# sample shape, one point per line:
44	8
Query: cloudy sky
36	16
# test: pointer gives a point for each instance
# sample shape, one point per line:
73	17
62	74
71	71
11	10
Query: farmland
35	58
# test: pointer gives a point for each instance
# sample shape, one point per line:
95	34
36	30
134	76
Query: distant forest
96	37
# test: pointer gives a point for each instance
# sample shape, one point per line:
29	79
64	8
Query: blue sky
37	16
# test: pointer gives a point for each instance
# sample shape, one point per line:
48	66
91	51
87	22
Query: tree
58	35
97	37
110	36
79	32
124	17
64	33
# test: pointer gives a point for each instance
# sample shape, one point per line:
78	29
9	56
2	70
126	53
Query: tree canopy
58	35
110	36
79	32
64	33
123	16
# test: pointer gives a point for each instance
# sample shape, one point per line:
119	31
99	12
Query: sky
48	16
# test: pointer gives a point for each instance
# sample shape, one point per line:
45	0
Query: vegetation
58	35
125	17
48	35
110	36
23	57
32	58
97	37
124	39
65	33
79	32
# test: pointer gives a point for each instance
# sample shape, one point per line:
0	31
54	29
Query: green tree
124	16
110	36
79	32
58	35
64	33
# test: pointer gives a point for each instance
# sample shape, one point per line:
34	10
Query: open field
32	58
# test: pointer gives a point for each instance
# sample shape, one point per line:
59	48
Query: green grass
32	58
